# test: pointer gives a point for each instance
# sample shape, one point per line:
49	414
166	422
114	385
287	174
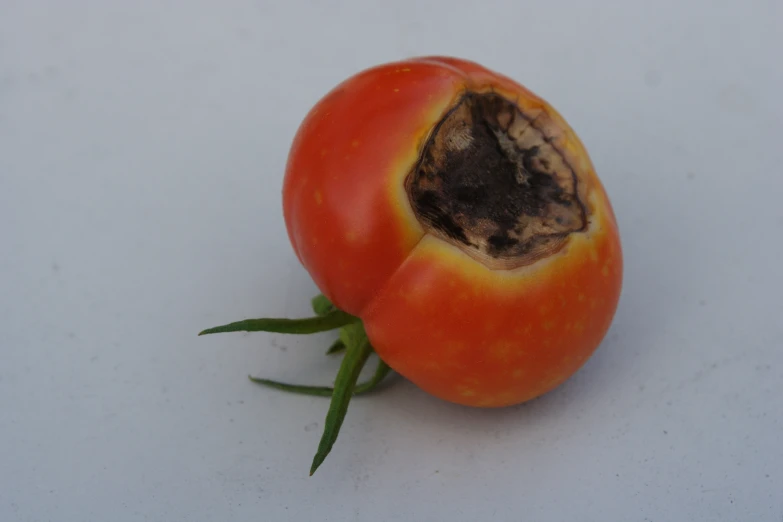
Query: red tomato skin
457	329
343	199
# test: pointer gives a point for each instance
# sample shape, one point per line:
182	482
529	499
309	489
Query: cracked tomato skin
459	330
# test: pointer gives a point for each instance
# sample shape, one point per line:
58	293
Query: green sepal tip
336	347
381	371
322	323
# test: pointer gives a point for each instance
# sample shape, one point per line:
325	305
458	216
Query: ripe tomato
460	217
455	225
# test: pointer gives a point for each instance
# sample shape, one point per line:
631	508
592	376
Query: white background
142	146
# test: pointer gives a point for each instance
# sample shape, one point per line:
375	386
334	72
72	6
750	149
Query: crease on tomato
369	305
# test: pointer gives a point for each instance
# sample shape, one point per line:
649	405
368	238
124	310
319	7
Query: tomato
444	301
455	226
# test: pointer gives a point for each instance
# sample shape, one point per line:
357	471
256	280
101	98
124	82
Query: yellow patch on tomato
466	392
502	350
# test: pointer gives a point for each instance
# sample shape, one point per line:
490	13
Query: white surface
141	152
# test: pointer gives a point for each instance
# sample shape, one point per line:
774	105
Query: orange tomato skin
472	336
457	329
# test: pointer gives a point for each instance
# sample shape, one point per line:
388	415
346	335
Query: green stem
357	351
381	371
329	321
321	305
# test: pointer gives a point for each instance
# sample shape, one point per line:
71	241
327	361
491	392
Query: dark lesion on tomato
491	181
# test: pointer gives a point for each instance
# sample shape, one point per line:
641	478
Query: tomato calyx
352	341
